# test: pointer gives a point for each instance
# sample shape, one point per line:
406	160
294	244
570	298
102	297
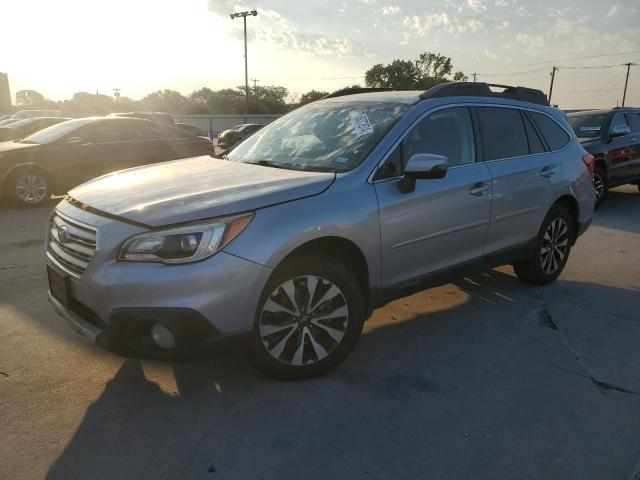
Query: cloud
476	5
421	26
613	11
390	10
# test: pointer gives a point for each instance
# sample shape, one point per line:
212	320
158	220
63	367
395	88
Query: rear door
443	223
522	173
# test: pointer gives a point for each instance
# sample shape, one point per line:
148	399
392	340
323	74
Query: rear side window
503	133
535	144
619	119
634	121
555	136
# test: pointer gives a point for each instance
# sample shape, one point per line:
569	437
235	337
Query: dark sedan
60	157
24	128
231	138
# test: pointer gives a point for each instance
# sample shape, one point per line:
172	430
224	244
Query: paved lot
483	378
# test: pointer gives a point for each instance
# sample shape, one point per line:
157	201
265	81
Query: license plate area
60	287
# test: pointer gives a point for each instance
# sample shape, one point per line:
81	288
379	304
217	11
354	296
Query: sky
64	46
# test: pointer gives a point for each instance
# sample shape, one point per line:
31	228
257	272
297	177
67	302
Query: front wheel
309	319
552	249
29	188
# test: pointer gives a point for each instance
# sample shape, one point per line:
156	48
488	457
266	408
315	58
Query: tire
552	249
28	188
601	184
310	330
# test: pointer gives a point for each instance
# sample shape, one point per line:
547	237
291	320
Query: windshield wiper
268	163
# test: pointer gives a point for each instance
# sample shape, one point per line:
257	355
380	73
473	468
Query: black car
62	156
192	129
23	128
159	117
613	138
232	137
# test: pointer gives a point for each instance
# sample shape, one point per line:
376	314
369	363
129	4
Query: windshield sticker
589	129
341	160
362	125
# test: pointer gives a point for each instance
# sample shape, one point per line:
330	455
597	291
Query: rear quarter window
553	133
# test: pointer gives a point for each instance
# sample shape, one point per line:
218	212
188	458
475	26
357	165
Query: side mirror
75	141
619	131
422	166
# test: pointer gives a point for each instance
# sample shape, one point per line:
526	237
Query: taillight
589	161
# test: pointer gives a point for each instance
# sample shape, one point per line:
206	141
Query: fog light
162	337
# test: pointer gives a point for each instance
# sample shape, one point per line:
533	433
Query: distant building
5	96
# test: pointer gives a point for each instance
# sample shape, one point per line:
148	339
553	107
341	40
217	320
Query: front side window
103	132
555	136
503	133
634	120
325	136
446	132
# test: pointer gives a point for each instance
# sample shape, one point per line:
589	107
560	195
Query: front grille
75	249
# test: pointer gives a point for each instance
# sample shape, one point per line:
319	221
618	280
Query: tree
267	99
88	103
312	96
29	98
169	101
428	70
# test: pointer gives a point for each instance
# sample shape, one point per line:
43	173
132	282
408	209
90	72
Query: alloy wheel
598	184
303	320
555	245
31	188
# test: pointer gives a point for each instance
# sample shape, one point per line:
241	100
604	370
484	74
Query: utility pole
474	77
244	16
626	83
553	76
255	82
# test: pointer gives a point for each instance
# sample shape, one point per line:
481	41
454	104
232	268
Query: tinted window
446	132
555	136
634	121
587	126
503	133
392	167
102	132
535	144
619	119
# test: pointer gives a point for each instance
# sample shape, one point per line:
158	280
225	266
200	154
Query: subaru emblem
63	234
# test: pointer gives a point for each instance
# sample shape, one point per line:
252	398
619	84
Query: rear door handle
546	172
478	189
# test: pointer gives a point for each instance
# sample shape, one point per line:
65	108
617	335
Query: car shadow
620	210
480	375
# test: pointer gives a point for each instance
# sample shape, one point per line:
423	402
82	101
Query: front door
443	223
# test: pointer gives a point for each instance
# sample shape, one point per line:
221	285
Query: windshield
57	131
19	123
587	126
327	136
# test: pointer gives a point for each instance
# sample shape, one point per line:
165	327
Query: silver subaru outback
327	213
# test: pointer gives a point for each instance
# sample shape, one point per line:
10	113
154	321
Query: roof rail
353	90
481	89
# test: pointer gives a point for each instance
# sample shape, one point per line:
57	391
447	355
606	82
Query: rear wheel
552	249
29	188
309	319
601	184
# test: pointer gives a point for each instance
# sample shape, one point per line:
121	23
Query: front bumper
115	303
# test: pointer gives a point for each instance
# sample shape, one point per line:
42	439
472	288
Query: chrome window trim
465	104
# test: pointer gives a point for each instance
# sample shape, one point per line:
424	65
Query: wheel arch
344	251
21	166
571	204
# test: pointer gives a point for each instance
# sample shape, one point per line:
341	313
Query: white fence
218	123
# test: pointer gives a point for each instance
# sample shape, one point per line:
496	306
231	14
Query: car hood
7	146
196	189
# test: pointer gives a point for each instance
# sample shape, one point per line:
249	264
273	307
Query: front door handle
478	189
546	172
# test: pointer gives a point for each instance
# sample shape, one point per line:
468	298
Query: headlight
184	244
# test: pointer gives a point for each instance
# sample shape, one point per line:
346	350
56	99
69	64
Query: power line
549	62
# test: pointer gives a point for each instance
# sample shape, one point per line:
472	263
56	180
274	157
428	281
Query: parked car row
64	155
309	224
